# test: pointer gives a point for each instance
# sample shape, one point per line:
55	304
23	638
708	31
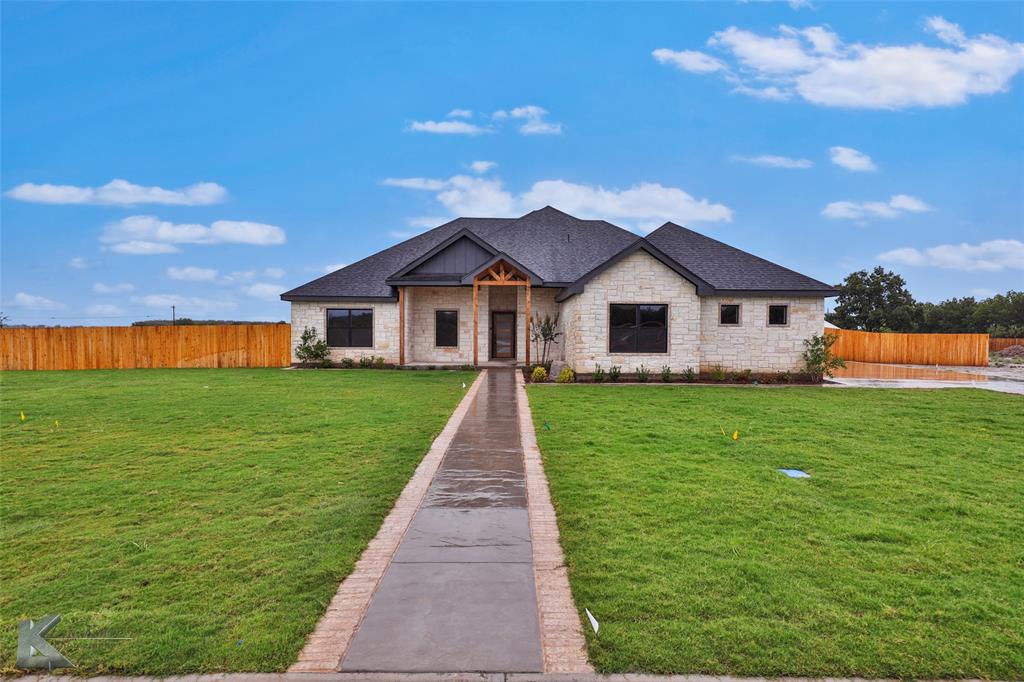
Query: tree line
879	301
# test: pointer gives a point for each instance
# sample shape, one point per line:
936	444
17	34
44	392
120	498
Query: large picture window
446	328
350	327
638	328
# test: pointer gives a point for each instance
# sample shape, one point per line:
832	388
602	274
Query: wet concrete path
459	594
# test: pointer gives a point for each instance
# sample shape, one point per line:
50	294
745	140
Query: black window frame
739	314
332	339
437	329
614	347
785	307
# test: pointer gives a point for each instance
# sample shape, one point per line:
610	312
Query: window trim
447	310
668	317
768	315
739	315
373	320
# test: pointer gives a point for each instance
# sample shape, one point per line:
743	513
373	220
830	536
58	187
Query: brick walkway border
561	633
327	646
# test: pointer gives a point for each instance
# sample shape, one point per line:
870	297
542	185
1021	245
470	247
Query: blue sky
214	155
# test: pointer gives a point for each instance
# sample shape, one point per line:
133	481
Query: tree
545	331
875	301
818	358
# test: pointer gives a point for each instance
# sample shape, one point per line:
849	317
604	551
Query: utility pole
174	320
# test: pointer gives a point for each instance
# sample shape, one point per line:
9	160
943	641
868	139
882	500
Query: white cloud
120	193
851	159
482	167
186	305
146	235
124	288
78	263
643	205
897	205
533	117
274	273
414	183
538	127
104	310
990	256
460	113
191	273
36	302
327	269
688	60
263	291
815	64
800	4
447	128
775	161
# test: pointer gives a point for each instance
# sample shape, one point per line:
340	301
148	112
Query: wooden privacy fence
999	344
221	345
911	349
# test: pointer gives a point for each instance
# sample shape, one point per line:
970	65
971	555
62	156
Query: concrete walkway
459	592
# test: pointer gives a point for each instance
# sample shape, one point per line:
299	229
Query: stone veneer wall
421	304
753	344
385	327
637	278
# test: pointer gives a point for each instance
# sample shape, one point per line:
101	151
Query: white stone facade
695	337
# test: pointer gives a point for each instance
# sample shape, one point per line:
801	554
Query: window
638	328
446	328
350	327
778	315
729	313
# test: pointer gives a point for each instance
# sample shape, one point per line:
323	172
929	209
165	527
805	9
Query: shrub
347	363
466	368
689	375
642	374
742	377
718	373
312	350
366	362
544	331
599	375
378	363
539	374
566	376
784	377
818	358
614	373
666	374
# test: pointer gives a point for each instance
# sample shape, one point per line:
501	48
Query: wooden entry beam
476	325
529	317
401	326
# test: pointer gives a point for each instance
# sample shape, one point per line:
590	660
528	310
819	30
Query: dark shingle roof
560	249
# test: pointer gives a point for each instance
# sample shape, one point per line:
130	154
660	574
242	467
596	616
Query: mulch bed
734	378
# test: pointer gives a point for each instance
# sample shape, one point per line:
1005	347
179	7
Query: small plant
784	377
614	373
818	358
312	350
378	363
642	374
566	376
599	375
666	373
539	374
544	331
742	377
366	362
466	368
689	375
718	373
347	363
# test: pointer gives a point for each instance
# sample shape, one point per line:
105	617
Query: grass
902	556
206	515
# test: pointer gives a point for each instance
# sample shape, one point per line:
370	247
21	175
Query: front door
503	336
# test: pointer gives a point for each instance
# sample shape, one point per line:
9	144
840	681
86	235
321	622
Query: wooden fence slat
999	344
912	349
223	345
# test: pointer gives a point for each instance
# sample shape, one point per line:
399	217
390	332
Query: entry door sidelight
503	336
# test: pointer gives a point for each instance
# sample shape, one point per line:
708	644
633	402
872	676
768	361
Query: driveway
877	375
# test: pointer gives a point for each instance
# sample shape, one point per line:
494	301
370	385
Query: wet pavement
459	594
878	375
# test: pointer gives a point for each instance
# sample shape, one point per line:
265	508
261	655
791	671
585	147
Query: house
466	292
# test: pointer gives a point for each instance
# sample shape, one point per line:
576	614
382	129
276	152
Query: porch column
401	326
476	324
529	319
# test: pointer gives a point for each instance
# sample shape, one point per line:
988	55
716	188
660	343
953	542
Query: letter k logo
36	652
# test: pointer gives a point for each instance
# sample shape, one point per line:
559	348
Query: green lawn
206	515
903	555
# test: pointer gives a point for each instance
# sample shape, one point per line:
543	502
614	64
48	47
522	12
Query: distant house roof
558	250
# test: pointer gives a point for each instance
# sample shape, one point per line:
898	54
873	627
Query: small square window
729	314
778	315
446	328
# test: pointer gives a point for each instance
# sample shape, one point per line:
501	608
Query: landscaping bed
188	521
900	556
719	376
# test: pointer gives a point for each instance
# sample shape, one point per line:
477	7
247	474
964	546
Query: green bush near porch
206	515
900	557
